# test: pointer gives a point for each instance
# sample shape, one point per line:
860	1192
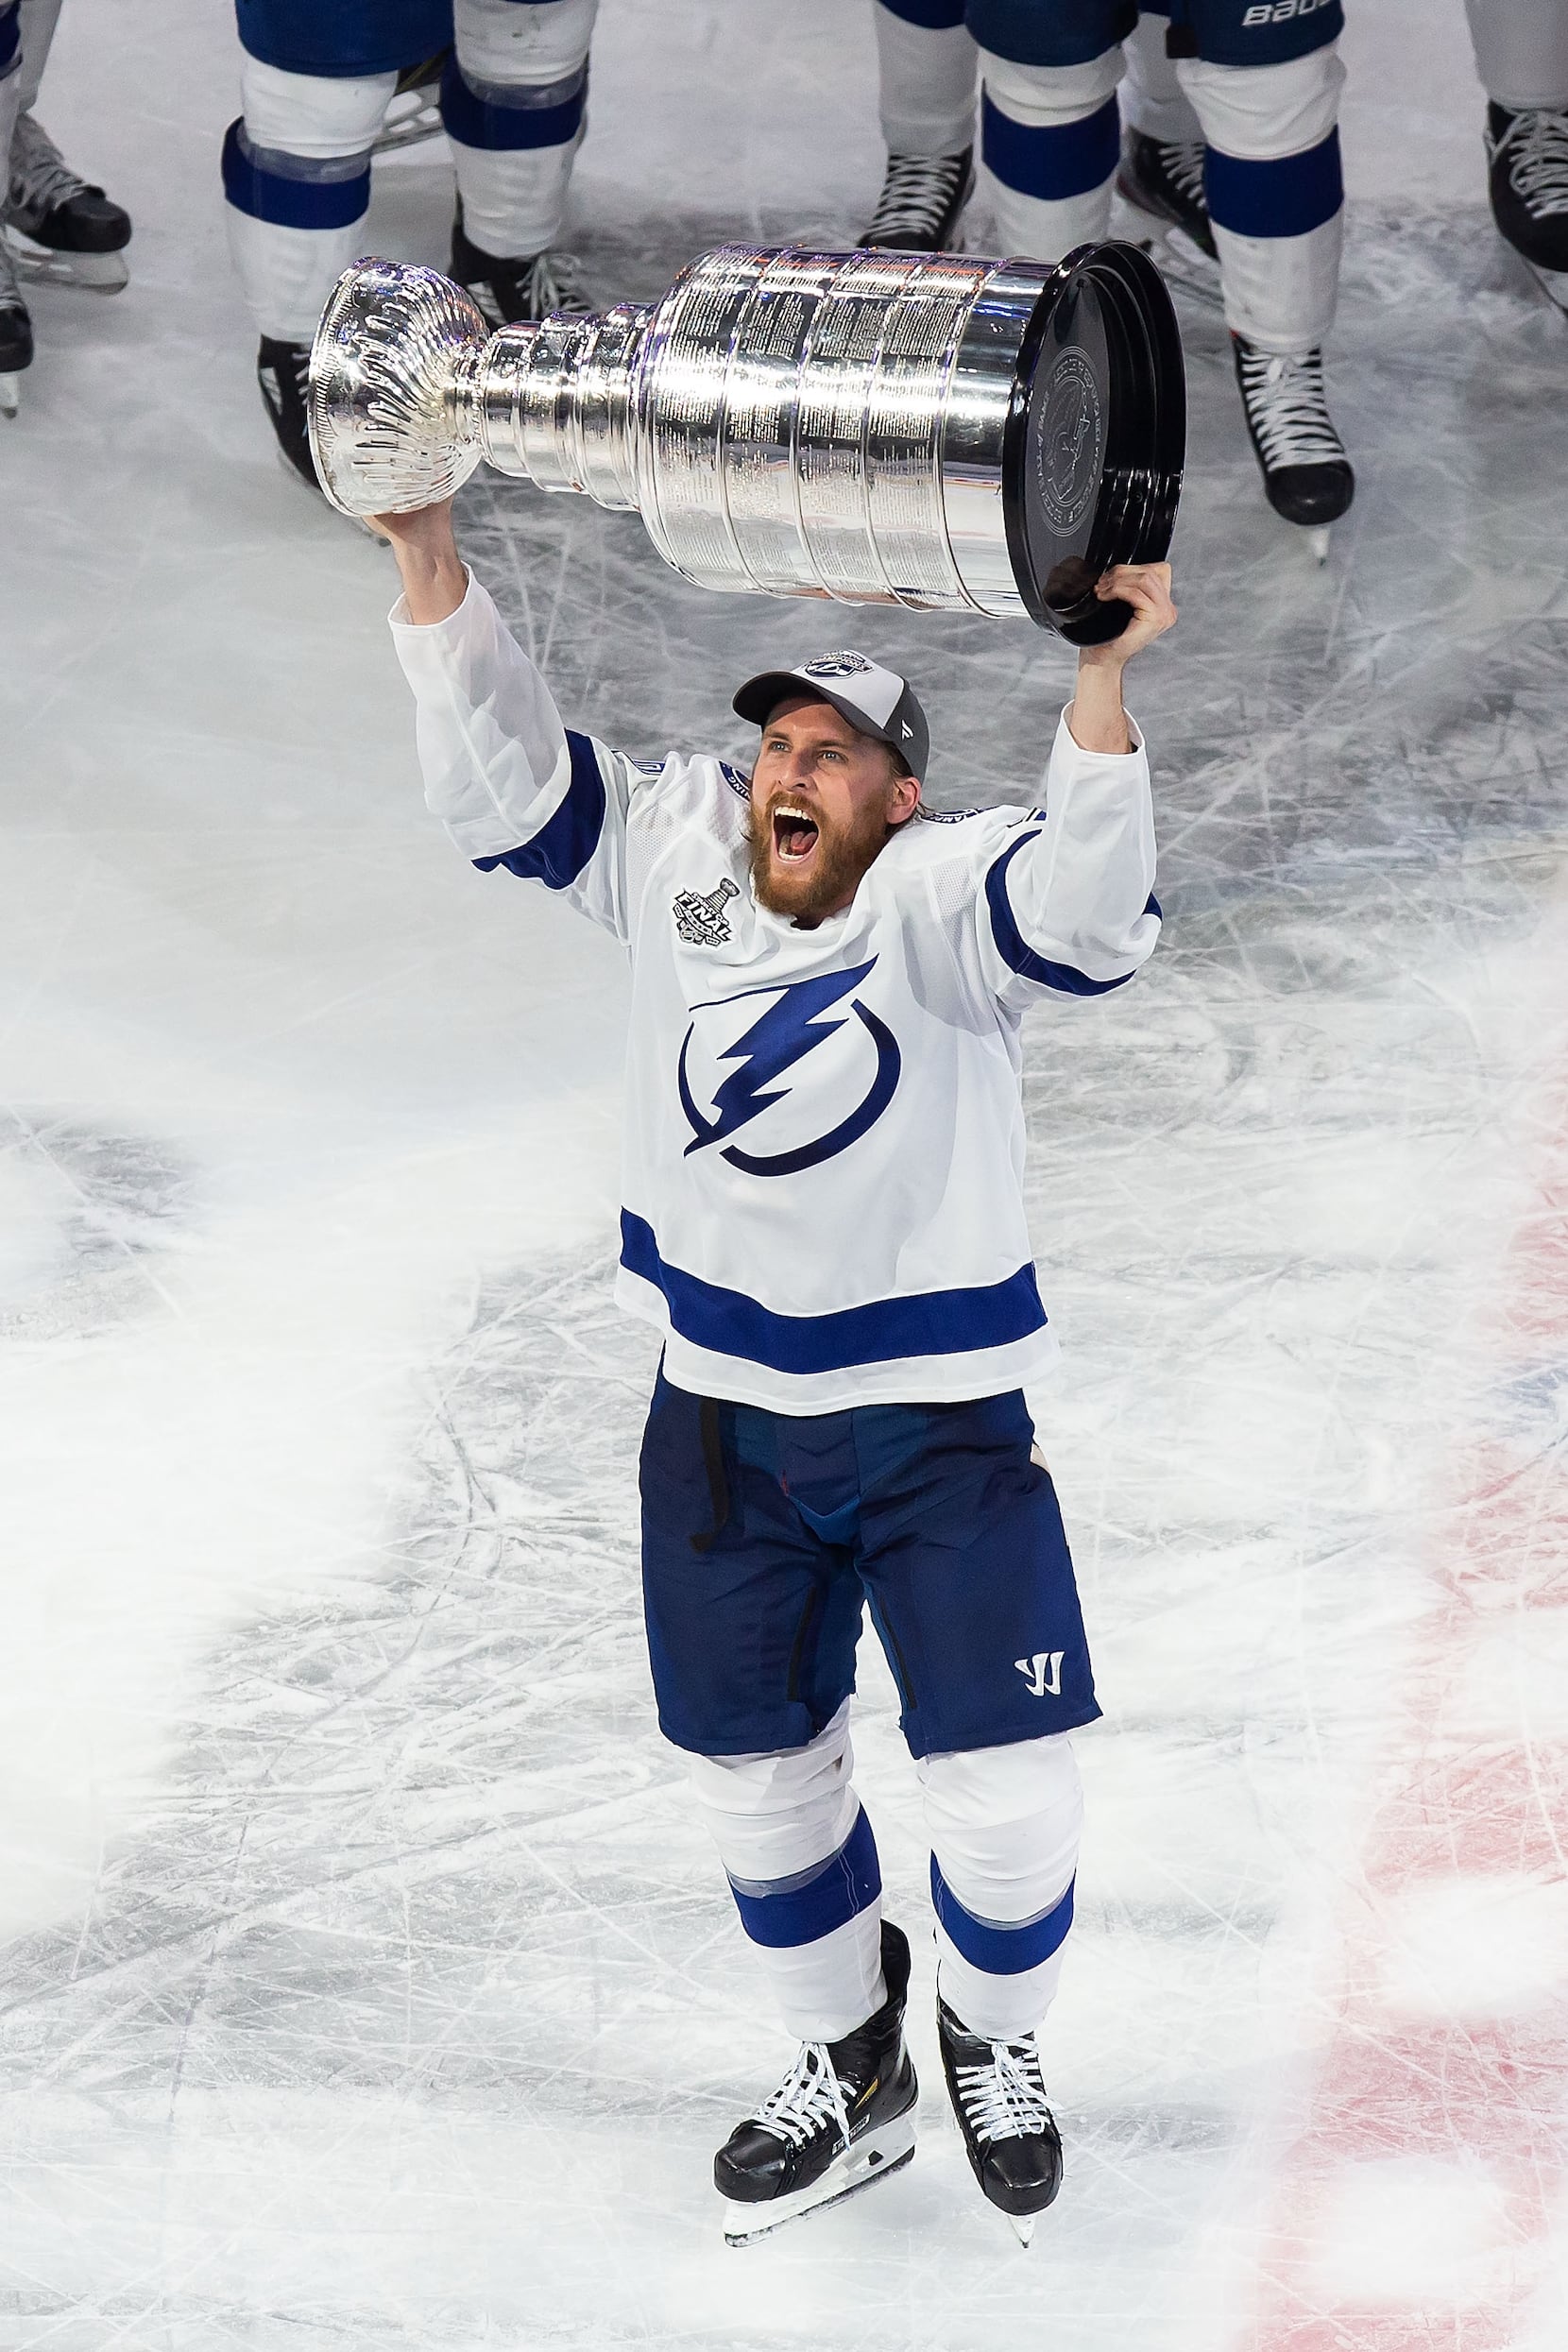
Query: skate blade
90	273
410	129
870	2161
10	395
1174	254
1318	538
1023	2227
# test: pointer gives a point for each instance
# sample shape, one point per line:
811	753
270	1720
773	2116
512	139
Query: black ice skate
1161	181
1306	475
74	234
998	2096
16	334
843	2118
282	371
922	203
1527	156
507	291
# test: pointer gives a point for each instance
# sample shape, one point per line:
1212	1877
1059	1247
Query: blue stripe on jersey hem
477	122
290	203
992	1945
1055	163
562	847
932	1323
847	1883
1018	957
1289	197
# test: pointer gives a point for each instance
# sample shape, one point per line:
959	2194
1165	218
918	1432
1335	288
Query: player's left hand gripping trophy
928	430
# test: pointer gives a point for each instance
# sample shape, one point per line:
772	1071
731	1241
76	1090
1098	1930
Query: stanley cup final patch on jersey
703	922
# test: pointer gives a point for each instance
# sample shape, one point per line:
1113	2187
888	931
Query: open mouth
795	835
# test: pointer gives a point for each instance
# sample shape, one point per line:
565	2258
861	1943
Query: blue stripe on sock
476	121
285	201
1051	163
991	1944
563	846
847	1883
1284	198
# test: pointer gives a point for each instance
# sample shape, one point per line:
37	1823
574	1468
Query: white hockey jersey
824	1140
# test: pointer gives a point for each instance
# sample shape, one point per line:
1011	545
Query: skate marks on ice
87	1214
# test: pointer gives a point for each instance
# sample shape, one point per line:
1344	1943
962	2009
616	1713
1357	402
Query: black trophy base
1092	462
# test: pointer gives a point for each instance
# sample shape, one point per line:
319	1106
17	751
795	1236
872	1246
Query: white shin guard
1004	1825
926	85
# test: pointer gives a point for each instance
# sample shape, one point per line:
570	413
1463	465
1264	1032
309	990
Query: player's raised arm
1068	905
513	787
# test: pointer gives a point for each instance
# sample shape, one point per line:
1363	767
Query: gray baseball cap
877	701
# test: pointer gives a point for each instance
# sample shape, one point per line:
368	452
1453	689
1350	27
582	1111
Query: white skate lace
1183	162
916	195
40	177
1536	145
809	2096
1005	2100
553	283
1289	414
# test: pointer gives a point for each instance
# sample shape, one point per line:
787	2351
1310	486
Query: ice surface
370	1982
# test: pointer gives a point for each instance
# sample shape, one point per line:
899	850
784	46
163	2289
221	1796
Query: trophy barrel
913	428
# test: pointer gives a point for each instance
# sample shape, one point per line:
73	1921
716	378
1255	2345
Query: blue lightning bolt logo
783	1036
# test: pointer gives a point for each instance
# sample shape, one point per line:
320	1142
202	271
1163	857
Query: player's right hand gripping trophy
929	430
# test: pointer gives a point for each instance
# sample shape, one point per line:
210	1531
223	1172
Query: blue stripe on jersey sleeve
799	1911
1019	957
930	1322
562	846
997	1946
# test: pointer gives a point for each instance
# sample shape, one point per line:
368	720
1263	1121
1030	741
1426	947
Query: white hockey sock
515	115
1521	51
1050	140
927	76
1004	1825
38	19
1152	100
296	175
802	1866
1275	195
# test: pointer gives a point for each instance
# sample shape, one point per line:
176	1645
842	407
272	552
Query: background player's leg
16	327
928	65
1004	1825
76	234
513	102
297	176
1161	175
1522	59
1276	202
1049	140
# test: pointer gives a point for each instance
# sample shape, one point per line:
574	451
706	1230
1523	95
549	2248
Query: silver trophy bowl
928	429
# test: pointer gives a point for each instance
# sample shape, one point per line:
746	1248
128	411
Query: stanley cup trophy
883	428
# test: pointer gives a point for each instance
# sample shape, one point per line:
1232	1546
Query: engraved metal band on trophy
927	430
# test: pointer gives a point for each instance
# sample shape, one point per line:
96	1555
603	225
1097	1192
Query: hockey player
316	86
823	1217
1230	156
1522	59
60	228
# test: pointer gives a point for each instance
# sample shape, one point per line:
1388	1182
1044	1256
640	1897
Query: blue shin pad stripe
847	1884
1053	162
1284	198
992	1944
288	203
474	121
